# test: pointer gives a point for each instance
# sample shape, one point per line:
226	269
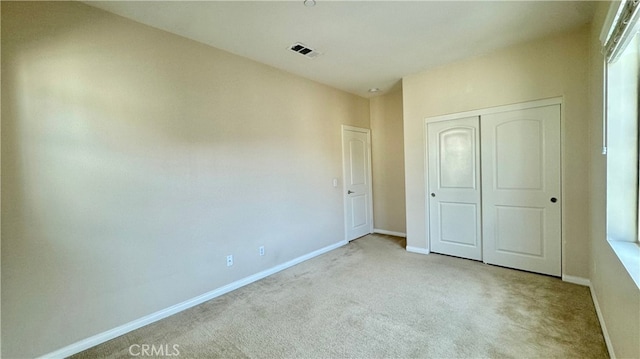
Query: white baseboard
164	313
576	280
605	333
417	250
390	233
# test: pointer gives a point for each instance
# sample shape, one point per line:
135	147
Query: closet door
454	188
521	189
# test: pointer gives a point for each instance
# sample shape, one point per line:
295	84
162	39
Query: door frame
366	131
492	110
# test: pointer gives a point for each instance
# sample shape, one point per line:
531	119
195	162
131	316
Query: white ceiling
364	44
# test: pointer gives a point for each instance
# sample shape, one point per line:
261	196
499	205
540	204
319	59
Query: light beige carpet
372	299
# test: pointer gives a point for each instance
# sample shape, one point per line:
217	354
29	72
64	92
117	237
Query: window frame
622	27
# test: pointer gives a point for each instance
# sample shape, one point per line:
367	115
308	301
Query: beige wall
388	161
134	161
616	293
551	67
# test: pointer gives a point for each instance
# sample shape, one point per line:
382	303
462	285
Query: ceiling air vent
304	50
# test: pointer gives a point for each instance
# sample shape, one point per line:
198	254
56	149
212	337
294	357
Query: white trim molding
389	233
576	280
586	282
417	250
605	333
497	109
164	313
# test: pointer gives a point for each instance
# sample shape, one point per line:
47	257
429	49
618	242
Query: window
622	144
621	41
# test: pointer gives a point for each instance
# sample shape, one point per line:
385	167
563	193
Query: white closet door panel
454	188
521	189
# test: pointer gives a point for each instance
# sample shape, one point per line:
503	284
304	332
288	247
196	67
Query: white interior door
454	188
357	182
521	189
